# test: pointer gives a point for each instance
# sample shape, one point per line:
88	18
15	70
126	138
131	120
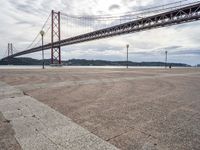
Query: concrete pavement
39	127
134	109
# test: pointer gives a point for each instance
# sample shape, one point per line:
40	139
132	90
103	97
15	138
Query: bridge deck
181	15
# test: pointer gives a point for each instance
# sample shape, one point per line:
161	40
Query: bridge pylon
10	49
55	37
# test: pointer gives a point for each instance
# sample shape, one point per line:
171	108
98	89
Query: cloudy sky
21	20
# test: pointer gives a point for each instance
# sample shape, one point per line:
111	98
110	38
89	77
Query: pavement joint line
117	135
37	126
96	81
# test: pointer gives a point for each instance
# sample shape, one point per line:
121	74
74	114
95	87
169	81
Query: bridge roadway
182	15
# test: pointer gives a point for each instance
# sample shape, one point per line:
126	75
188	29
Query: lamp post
42	34
165	59
127	46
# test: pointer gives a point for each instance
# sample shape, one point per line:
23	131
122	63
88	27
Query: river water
49	67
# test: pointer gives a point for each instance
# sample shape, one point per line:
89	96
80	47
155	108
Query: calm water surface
38	67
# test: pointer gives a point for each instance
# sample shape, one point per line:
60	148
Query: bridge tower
55	37
10	49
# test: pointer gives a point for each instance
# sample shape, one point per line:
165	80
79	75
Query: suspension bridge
155	17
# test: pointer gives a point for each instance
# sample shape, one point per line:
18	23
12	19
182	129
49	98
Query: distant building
198	65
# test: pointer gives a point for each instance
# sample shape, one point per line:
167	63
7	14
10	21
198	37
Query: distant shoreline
93	63
85	67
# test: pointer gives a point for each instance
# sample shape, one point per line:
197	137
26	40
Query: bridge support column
55	37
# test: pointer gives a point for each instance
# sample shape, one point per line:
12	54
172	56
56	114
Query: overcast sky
21	20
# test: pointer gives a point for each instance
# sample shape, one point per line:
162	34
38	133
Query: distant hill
84	62
21	61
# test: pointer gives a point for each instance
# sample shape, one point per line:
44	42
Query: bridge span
181	15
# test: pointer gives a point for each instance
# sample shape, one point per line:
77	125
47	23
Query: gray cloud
187	52
114	6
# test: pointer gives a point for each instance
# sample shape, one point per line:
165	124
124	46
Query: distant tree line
84	62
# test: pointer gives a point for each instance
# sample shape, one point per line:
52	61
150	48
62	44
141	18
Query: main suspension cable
39	32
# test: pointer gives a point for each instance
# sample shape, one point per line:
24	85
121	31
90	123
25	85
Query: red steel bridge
167	17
